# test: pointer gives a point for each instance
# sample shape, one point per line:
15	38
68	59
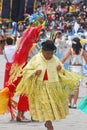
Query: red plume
29	37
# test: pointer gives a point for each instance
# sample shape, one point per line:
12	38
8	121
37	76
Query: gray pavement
75	120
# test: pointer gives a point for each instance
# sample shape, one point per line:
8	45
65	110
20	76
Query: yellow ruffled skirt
48	100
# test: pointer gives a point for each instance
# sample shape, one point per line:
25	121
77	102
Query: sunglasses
1	41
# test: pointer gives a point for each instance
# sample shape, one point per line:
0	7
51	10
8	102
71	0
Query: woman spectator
78	55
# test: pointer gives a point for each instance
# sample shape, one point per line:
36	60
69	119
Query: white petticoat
77	69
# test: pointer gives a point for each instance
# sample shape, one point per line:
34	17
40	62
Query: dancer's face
47	54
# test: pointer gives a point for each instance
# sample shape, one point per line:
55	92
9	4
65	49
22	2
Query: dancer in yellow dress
45	83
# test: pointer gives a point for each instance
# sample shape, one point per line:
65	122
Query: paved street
76	120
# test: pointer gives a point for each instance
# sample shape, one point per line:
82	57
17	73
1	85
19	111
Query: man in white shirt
8	52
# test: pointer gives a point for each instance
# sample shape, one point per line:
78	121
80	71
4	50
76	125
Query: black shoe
69	106
34	120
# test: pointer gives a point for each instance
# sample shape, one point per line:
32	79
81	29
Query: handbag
83	105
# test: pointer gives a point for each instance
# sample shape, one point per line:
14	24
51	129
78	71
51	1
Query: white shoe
74	106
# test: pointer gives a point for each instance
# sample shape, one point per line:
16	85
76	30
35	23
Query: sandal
21	119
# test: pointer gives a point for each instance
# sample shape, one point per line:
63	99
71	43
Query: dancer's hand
59	67
38	72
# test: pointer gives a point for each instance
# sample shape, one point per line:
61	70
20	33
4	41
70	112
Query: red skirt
23	100
23	103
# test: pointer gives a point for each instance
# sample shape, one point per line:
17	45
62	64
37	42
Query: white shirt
8	52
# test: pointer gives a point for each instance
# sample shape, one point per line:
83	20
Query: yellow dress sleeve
28	75
69	79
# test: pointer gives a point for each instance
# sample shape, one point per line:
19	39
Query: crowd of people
52	67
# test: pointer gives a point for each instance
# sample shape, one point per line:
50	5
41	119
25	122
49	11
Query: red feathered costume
29	37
